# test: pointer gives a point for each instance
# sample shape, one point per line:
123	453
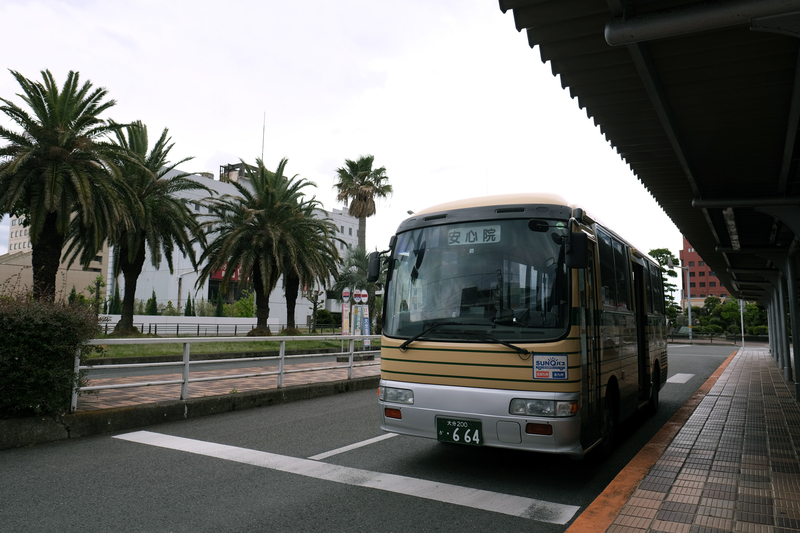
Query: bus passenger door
590	357
641	331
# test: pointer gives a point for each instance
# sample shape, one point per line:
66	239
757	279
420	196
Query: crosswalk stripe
538	510
680	378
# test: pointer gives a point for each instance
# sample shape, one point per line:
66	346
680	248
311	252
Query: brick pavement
298	374
734	464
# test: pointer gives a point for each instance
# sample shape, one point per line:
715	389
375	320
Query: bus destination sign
473	235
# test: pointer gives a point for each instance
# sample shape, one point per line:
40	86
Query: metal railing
186	364
211	330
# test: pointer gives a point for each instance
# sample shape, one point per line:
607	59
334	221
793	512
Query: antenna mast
263	133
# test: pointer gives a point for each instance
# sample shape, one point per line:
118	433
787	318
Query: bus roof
523	199
500	199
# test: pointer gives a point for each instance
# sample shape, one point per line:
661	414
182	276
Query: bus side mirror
374	267
577	251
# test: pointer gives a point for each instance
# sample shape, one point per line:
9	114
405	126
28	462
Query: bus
517	321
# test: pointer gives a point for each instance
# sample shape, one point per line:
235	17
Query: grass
149	350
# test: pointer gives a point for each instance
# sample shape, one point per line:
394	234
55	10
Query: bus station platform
727	461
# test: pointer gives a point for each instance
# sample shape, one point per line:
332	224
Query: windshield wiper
520	351
403	347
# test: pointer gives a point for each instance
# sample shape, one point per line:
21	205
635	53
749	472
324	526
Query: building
703	282
175	286
16	272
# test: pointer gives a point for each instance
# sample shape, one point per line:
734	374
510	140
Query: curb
19	432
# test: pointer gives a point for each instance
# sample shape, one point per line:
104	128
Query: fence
720	338
211	330
186	364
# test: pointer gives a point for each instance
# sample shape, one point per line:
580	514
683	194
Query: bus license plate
459	431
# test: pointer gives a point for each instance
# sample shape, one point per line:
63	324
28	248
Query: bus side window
607	275
648	289
621	270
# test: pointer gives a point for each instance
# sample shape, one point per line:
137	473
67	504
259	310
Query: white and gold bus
519	322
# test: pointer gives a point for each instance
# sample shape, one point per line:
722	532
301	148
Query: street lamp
688	293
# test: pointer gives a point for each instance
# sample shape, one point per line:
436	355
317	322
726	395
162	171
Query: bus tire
652	407
608	429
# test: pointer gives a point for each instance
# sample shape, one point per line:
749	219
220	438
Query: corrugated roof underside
727	93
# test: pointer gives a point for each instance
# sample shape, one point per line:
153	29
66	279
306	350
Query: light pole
688	294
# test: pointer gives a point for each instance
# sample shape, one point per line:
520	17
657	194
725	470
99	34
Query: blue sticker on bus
550	366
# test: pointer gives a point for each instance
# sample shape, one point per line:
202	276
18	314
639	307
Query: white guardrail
187	363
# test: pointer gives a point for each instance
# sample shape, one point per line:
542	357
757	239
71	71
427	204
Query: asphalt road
283	468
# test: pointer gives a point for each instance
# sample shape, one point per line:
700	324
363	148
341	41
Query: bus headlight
551	408
390	394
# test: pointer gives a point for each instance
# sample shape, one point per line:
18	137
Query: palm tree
57	167
360	185
259	231
316	258
160	221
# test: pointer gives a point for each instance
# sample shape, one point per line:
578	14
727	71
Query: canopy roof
702	100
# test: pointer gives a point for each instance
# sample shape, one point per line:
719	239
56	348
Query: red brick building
702	280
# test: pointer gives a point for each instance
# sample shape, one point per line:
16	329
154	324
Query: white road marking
539	510
343	449
679	345
680	378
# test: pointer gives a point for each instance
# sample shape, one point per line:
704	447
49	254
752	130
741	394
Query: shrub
151	309
37	362
324	317
203	307
758	330
169	310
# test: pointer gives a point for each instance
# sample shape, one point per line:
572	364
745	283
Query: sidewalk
733	466
297	375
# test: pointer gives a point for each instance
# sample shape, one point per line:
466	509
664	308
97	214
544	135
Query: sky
446	95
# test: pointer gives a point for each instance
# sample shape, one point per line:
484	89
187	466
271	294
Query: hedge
37	355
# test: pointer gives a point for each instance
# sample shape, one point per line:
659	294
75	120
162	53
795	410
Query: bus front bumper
488	407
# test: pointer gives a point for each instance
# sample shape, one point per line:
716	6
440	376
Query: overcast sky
447	95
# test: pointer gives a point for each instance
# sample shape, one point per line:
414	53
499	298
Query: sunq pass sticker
550	366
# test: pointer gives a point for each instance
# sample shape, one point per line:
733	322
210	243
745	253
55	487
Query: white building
174	287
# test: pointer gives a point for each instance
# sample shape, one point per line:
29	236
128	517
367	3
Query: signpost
346	311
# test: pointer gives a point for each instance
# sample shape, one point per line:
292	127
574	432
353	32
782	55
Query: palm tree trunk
262	306
46	259
292	286
130	272
362	233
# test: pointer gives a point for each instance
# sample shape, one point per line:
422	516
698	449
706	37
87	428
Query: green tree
116	303
755	319
160	220
359	184
188	310
58	168
664	257
257	231
711	305
73	296
314	258
244	307
152	305
219	309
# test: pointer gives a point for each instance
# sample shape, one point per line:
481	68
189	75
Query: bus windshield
503	280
